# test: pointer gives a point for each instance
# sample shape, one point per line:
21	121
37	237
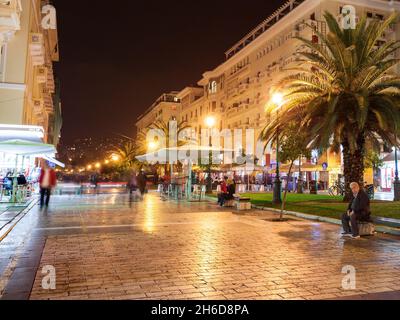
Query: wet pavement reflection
108	247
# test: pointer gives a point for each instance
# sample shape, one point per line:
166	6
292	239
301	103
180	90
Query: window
213	87
312	17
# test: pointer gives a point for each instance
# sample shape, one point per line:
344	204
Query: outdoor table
176	191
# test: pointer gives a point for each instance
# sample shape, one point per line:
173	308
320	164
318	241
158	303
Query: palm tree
127	154
165	130
346	92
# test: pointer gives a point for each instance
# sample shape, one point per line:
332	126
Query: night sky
117	58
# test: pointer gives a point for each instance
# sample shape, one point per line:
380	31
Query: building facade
28	92
165	108
238	90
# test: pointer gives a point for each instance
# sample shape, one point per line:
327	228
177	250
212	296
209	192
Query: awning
390	157
249	168
306	167
26	148
52	160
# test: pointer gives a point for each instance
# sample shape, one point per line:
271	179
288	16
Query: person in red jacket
47	181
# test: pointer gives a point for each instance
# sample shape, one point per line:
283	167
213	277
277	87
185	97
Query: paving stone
169	250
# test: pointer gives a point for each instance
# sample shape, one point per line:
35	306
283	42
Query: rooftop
285	9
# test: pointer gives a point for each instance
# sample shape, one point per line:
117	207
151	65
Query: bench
394	223
242	203
229	203
366	229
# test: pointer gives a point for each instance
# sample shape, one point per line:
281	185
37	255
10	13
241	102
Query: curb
18	218
379	228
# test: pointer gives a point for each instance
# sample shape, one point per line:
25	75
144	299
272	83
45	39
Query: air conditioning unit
38	105
41	75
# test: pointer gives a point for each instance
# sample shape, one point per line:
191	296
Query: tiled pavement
104	247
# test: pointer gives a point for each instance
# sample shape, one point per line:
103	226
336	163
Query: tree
127	155
165	130
346	91
292	147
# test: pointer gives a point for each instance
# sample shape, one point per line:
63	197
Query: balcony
10	17
36	48
38	105
41	75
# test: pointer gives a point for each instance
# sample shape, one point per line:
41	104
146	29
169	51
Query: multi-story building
28	94
164	109
237	91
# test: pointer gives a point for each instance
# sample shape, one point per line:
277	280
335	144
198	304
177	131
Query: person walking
47	181
141	182
132	183
357	211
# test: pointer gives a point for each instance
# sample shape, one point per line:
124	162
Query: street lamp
98	165
89	167
210	123
277	100
396	178
153	145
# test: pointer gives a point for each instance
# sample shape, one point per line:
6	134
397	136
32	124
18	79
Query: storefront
388	173
21	147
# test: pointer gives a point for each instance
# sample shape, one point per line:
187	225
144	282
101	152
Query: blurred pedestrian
47	182
141	182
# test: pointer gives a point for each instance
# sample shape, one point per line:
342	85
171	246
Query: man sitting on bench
358	211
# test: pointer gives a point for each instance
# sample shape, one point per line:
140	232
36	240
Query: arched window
213	87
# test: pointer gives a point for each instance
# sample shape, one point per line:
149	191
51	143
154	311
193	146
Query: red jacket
224	187
53	178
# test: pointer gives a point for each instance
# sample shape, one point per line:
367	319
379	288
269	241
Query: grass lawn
324	205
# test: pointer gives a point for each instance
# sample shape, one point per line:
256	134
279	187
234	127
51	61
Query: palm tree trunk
353	165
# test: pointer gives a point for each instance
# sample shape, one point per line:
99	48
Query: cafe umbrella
189	153
24	148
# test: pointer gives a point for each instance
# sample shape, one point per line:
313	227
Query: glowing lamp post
210	123
152	146
396	183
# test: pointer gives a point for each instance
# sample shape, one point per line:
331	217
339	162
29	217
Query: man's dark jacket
362	206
